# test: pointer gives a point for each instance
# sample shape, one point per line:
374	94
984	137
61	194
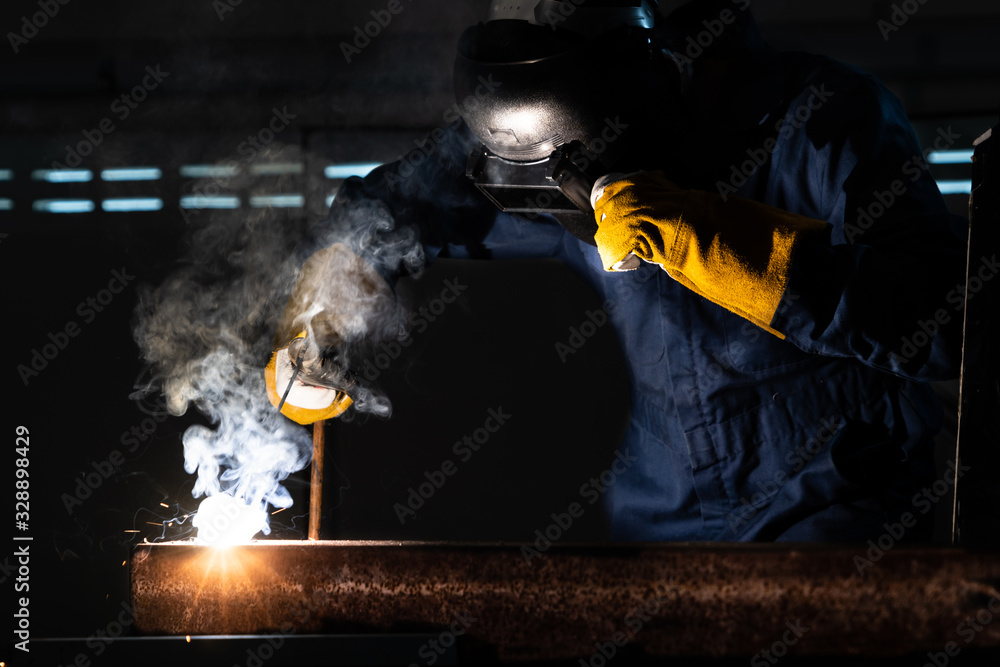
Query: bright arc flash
222	521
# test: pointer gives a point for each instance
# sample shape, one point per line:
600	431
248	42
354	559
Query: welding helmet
576	90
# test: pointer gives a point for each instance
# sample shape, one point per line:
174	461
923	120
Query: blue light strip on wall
208	171
277	168
950	157
955	187
205	201
62	175
131	174
63	205
277	201
132	204
350	169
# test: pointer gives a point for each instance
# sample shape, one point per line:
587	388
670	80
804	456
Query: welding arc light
222	520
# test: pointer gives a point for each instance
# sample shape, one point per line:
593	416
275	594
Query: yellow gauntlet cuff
736	253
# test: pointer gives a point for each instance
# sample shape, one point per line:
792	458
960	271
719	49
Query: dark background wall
228	67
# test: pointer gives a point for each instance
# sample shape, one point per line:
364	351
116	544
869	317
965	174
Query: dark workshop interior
143	141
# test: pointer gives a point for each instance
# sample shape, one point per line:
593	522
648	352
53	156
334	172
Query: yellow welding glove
734	252
336	298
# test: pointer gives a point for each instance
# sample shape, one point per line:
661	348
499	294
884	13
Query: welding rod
295	373
316	480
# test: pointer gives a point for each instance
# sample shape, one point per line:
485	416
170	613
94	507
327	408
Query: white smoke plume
208	329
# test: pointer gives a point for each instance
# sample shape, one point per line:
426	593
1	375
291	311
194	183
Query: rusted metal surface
668	599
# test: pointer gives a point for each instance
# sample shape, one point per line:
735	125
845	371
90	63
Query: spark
165	505
188	638
123	562
131	531
154	524
276	511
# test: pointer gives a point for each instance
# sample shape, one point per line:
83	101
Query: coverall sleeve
405	214
882	283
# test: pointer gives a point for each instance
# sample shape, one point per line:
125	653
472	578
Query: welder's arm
337	298
780	271
880	282
405	214
391	223
735	253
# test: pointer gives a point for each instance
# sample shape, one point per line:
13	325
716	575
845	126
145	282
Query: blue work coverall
738	434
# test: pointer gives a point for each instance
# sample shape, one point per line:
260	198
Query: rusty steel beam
666	599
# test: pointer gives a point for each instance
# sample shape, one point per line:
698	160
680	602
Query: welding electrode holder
318	367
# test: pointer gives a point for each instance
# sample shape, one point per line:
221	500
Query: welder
778	270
